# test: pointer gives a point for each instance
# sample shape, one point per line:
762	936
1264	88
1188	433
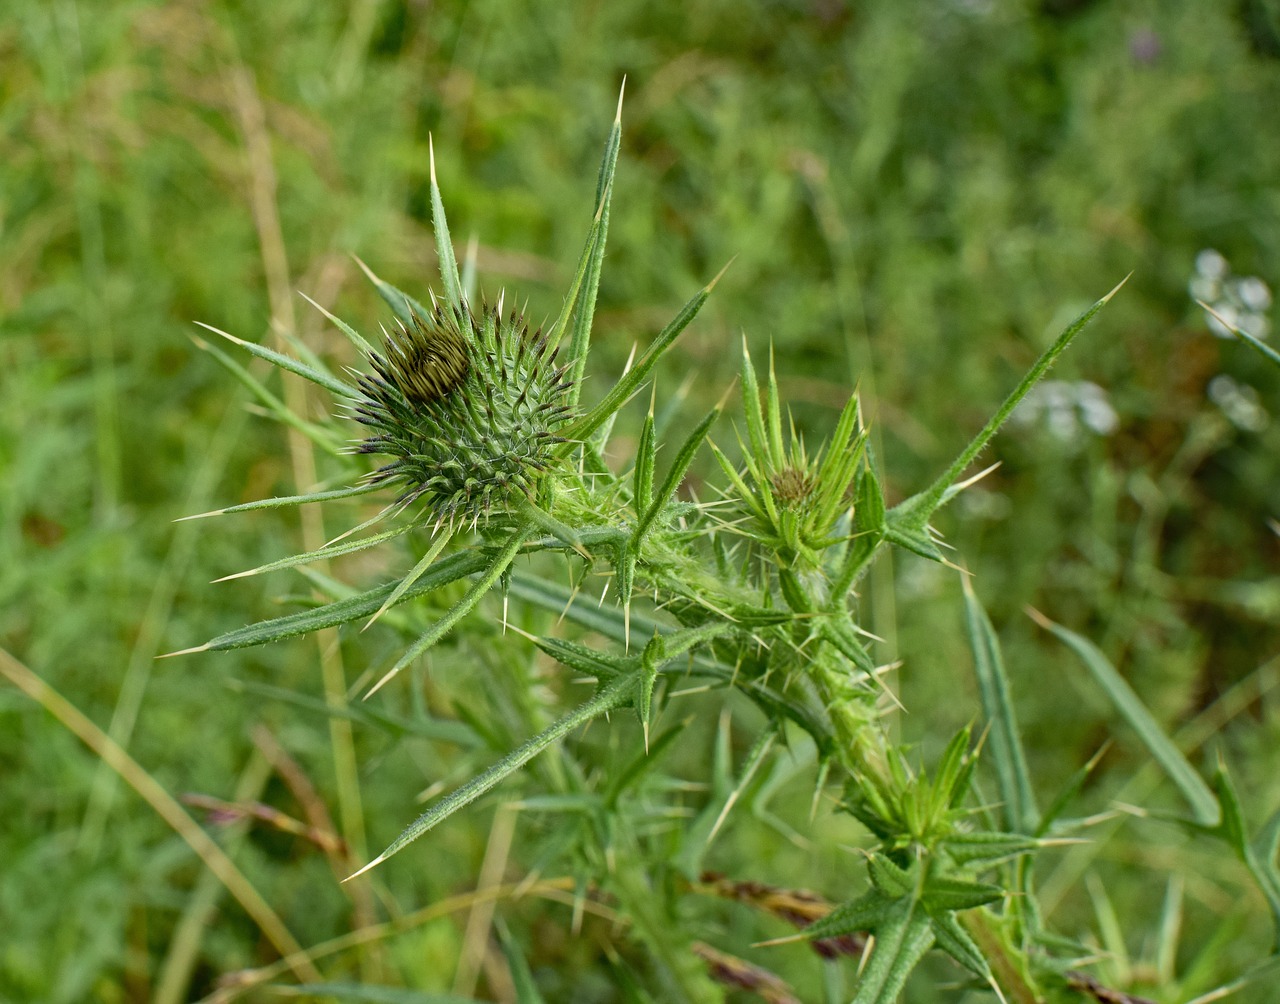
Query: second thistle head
466	404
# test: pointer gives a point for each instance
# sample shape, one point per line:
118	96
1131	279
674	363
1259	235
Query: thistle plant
489	451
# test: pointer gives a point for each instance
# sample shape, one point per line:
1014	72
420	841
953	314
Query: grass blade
1204	805
1018	798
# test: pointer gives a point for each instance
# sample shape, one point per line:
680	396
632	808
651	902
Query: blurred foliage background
916	196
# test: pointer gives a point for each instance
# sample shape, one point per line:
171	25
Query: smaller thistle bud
467	406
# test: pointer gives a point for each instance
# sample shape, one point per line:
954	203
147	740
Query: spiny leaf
642	480
442	538
900	944
953	939
273	404
752	409
444	244
773	419
319	377
651	660
603	666
343	611
675	475
869	524
950	894
911	517
402	304
635	377
580	340
613	696
858	916
353	336
323	553
889	878
445	624
288	500
838	630
988	846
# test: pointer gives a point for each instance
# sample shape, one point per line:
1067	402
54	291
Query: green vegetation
917	200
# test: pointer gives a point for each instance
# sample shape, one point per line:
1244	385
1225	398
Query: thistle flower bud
467	406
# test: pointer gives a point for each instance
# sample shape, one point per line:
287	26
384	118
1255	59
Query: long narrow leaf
444	245
613	696
270	401
580	340
322	553
501	561
441	541
353	336
343	611
402	304
1016	794
288	500
634	378
322	379
1262	348
899	946
1204	805
914	513
675	475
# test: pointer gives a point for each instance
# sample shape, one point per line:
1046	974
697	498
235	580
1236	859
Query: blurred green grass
914	196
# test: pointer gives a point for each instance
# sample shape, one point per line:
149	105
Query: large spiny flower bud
467	406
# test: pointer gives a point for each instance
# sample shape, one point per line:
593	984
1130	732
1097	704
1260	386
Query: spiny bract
467	404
